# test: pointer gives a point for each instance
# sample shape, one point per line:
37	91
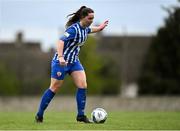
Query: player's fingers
63	63
106	22
66	63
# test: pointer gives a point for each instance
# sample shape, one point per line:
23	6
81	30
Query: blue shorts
59	72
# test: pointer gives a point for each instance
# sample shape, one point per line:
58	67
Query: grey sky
44	20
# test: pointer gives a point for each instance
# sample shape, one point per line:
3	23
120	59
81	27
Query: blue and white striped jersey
74	37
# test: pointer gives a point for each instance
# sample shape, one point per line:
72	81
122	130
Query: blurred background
134	64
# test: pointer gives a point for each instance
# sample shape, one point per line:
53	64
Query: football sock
81	100
46	98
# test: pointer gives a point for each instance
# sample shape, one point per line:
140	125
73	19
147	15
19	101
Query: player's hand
62	62
103	25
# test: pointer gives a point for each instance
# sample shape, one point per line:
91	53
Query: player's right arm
60	47
68	35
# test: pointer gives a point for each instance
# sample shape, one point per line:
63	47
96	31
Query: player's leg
57	76
79	78
47	97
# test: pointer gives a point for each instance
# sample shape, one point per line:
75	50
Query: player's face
89	19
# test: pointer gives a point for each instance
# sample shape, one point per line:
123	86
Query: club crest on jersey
66	34
59	73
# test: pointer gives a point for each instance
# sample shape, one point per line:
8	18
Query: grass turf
115	121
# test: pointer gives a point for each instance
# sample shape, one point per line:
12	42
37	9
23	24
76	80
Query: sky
44	20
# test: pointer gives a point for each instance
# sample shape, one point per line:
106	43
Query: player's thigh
55	84
79	78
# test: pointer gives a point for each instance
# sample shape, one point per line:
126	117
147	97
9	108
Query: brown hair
81	13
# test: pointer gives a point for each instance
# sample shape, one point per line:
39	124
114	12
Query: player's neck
82	24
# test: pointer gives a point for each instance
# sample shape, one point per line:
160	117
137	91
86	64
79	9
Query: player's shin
81	100
46	99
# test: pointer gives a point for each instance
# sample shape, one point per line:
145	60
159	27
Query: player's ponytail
81	13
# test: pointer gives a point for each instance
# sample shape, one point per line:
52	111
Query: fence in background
68	103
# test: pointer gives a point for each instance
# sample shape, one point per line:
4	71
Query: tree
8	82
161	71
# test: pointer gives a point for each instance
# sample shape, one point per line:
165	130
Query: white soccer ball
99	115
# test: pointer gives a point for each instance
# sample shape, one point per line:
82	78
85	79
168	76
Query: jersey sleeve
68	34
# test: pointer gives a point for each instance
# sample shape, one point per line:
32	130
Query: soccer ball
99	115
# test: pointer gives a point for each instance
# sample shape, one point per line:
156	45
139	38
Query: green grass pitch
115	121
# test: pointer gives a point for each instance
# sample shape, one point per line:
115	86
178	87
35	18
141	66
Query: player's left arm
99	28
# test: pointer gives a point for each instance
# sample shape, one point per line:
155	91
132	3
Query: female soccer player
66	61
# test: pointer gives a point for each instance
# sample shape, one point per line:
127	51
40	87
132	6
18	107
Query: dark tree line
161	71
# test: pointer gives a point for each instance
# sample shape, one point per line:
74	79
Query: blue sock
46	98
81	100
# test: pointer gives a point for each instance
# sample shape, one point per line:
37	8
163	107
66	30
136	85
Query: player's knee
82	84
85	85
54	87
